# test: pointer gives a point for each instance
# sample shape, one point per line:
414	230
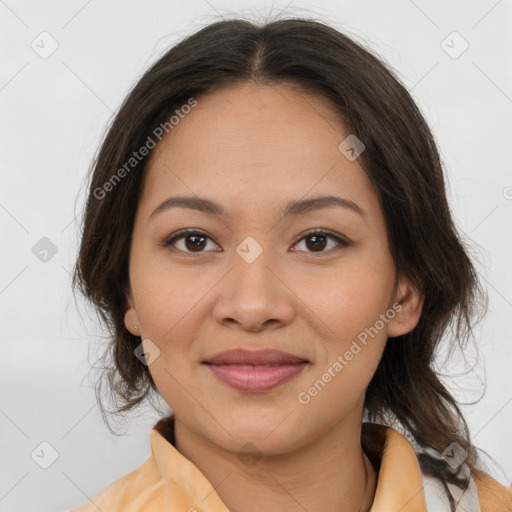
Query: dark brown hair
400	158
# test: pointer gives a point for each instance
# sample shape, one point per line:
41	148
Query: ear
131	318
408	304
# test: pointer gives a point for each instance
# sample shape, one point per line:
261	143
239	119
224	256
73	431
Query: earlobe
410	300
131	319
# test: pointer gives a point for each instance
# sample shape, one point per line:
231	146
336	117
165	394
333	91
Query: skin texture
252	148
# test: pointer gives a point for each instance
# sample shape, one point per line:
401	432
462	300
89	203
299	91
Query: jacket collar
399	481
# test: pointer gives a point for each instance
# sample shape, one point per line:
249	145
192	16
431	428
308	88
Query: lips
255	371
255	358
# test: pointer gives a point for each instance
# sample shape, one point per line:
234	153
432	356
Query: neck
329	474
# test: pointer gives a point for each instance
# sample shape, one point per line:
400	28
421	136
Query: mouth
255	371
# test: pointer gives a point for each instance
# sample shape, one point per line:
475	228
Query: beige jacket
168	481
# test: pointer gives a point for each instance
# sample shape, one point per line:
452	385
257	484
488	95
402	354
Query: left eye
194	241
319	241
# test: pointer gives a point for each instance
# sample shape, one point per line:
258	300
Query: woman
268	237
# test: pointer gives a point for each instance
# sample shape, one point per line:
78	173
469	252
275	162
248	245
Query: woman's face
256	281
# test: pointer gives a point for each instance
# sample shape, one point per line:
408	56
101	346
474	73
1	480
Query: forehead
254	147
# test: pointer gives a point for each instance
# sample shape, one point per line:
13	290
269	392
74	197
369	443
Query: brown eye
317	241
191	241
195	242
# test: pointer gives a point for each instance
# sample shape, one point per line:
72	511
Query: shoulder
482	494
494	496
133	492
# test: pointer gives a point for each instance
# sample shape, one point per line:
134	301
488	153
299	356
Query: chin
266	436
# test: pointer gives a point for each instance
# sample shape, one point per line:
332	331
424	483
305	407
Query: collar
399	481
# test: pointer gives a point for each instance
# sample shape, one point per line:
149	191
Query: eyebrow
291	208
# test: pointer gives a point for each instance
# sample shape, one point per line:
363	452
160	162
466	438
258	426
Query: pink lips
255	371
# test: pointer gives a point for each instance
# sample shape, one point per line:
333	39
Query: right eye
193	241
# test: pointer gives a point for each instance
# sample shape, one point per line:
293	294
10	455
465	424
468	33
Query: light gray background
54	112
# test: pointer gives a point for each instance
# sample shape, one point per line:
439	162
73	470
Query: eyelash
193	231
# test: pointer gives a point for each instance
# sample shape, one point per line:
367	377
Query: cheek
351	307
349	298
168	296
172	304
349	358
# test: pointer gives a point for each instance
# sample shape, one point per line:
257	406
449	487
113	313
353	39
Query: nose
253	296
